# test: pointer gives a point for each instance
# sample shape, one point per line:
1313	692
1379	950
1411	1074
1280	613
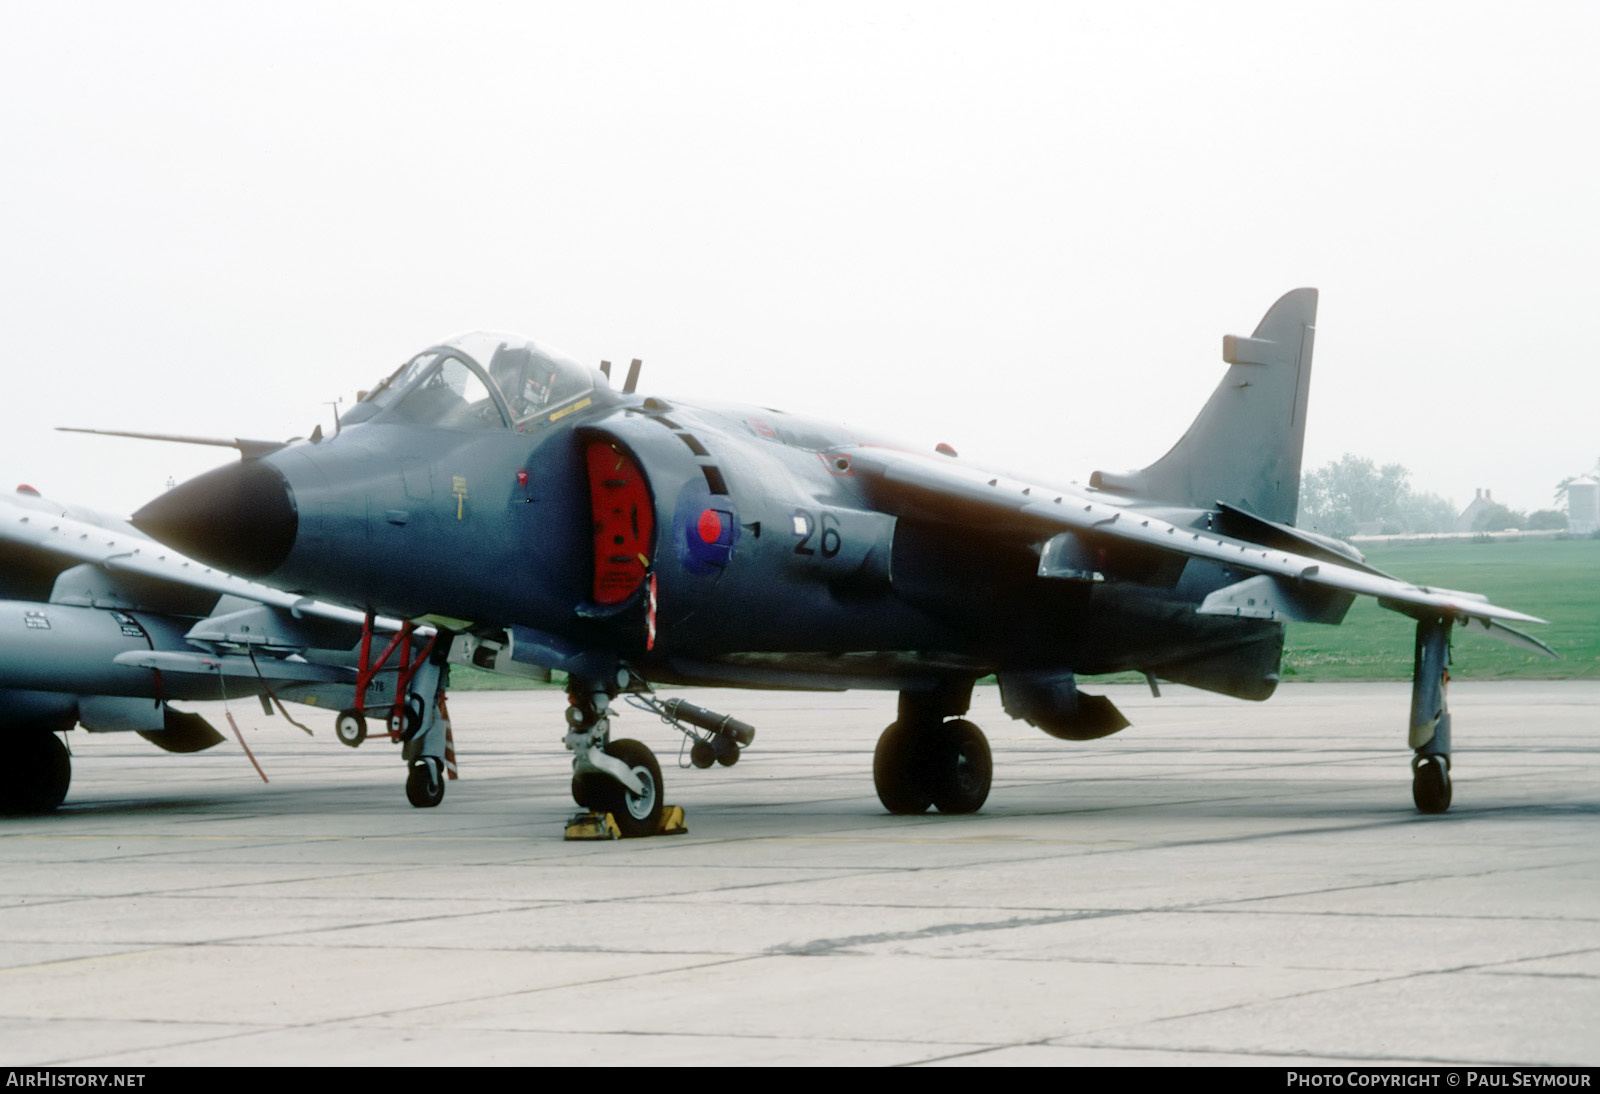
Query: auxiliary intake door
624	521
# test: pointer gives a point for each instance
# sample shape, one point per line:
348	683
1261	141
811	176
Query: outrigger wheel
1430	783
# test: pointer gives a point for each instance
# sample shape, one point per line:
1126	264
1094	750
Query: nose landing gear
618	783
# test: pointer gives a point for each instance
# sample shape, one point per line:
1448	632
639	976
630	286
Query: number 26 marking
806	526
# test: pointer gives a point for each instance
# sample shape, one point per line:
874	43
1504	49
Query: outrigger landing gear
1430	717
618	783
931	756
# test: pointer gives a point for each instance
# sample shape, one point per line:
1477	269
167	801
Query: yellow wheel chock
589	825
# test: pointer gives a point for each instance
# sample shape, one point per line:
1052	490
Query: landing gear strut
929	758
1430	717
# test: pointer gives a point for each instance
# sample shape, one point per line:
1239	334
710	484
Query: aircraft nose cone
240	518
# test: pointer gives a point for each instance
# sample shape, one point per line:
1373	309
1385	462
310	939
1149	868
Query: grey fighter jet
103	628
518	501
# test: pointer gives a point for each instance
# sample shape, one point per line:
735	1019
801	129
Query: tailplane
1244	447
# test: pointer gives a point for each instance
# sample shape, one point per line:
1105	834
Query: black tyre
635	814
900	770
962	767
38	775
588	790
1430	783
351	728
425	783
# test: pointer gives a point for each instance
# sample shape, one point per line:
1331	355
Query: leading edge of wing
933	479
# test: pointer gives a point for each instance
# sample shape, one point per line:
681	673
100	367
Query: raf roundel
705	527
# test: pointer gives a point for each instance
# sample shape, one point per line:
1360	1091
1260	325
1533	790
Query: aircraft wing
1286	584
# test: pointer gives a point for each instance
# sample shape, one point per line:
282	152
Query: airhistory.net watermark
43	1078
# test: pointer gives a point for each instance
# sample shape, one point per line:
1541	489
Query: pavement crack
822	946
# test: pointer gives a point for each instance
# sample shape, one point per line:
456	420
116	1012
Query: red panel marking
624	522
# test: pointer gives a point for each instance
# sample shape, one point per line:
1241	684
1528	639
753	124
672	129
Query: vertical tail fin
1244	447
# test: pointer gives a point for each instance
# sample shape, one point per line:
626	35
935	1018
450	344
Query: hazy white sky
1019	228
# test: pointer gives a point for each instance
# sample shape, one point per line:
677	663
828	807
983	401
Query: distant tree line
1341	497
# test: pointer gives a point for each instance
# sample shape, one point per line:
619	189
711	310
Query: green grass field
1557	580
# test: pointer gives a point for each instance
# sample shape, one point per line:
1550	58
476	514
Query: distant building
1469	515
1583	506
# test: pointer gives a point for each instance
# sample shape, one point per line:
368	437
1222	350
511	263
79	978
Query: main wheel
961	766
38	775
350	727
900	770
425	783
635	814
1430	783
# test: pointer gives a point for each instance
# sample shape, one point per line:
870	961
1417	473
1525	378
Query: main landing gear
927	757
1430	717
39	772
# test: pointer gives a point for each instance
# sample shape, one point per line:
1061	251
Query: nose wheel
636	814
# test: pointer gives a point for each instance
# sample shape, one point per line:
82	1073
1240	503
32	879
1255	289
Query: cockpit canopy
481	380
